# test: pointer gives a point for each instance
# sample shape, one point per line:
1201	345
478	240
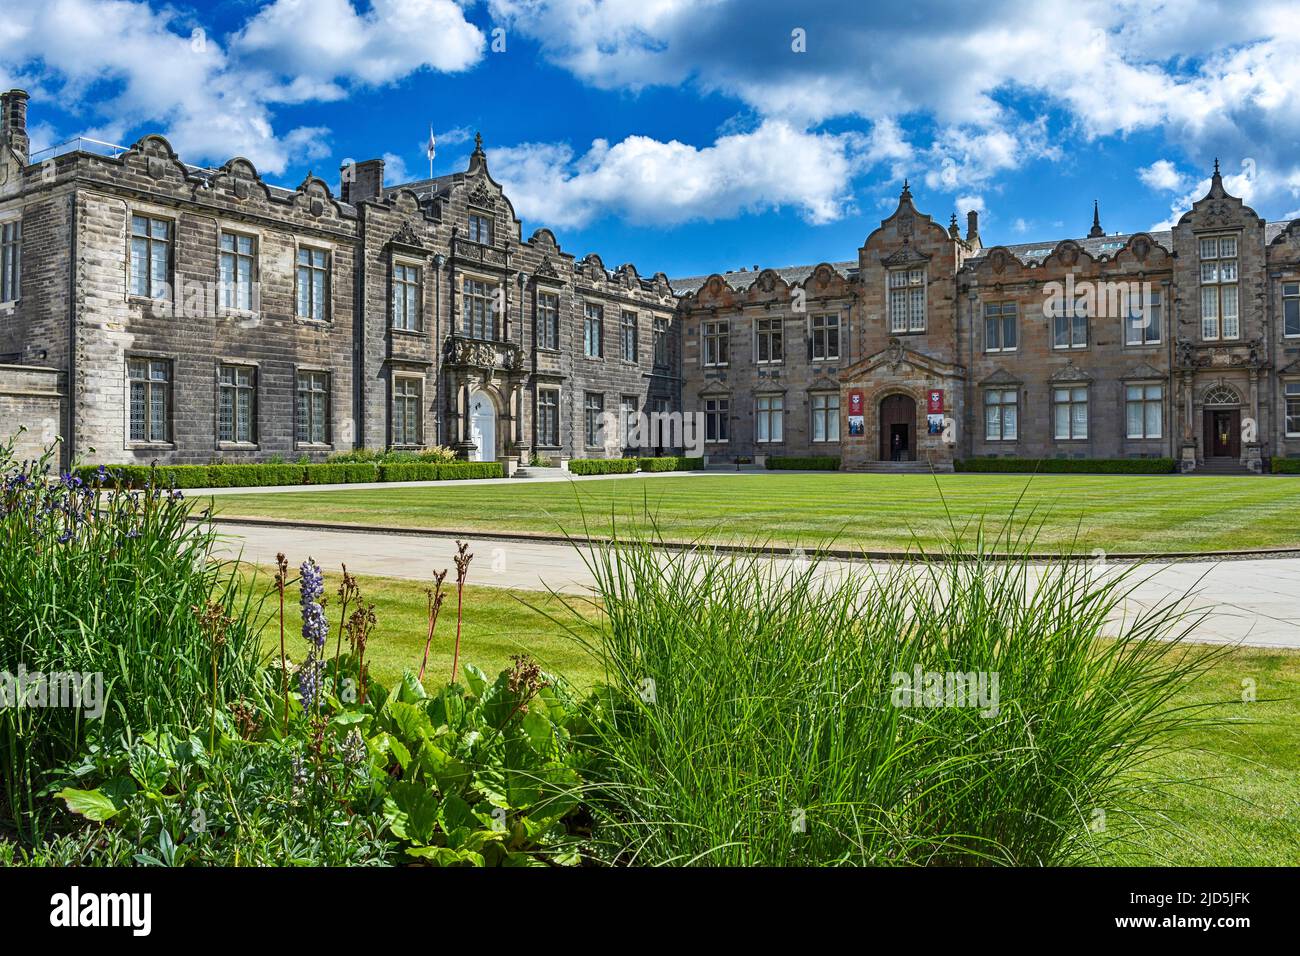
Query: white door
482	427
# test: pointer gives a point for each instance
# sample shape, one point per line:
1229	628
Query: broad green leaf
91	804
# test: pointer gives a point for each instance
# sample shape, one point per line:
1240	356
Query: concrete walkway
1254	602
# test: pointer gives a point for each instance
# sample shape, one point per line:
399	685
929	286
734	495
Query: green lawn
1117	513
1239	806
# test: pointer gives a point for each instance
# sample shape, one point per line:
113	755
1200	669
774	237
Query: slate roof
744	278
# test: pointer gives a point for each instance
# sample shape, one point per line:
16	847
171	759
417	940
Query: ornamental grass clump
98	587
953	711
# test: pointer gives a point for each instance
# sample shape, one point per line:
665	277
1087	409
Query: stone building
155	310
151	309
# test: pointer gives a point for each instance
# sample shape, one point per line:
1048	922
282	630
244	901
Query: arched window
1222	395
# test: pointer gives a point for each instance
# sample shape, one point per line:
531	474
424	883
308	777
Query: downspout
359	270
70	389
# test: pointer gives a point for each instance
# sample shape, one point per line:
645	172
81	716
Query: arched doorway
898	428
482	426
1222	422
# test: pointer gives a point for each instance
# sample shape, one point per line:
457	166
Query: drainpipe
68	451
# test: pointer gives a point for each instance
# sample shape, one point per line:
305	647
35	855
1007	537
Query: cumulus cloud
1216	77
648	181
1162	176
215	100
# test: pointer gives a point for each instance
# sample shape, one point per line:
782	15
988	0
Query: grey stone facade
171	312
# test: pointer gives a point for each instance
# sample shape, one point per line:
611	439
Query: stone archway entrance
1222	423
482	426
898	428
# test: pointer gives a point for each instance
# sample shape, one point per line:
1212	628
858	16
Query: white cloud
663	183
1162	176
213	101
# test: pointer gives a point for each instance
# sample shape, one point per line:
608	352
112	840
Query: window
661	341
1142	325
238	255
771	410
826	416
627	328
313	408
717	419
825	338
1144	406
629	416
480	229
237	403
11	241
151	241
769	341
1219	318
1070	412
1293	409
408	411
478	308
1000	327
406	297
593	409
1290	309
593	330
1069	324
548	320
313	283
548	417
907	300
150	405
1001	414
717	342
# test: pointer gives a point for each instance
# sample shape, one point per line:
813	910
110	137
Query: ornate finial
1096	231
952	227
478	142
1216	165
907	191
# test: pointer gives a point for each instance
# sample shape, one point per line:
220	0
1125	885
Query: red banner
855	401
935	401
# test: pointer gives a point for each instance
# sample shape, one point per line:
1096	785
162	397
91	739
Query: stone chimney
972	226
13	123
364	180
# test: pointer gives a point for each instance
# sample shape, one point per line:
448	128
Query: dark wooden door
1222	433
898	429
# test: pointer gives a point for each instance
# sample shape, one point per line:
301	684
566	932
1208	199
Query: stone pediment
895	357
1292	369
823	383
1069	372
906	256
1001	376
1143	370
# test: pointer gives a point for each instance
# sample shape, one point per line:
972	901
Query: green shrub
1068	466
670	463
356	455
602	466
408	471
428	471
106	584
1286	466
253	476
745	696
337	473
136	476
809	463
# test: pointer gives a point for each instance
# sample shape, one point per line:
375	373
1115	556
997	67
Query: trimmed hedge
811	463
255	476
1286	466
670	463
602	466
1075	466
340	473
429	471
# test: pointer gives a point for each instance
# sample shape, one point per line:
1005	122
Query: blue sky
698	135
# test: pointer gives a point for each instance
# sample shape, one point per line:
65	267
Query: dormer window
907	300
480	229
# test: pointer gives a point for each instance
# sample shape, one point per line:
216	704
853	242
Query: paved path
1254	602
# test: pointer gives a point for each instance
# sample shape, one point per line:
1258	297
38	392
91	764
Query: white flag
429	149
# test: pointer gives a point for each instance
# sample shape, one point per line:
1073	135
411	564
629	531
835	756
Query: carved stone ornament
896	354
406	235
481	196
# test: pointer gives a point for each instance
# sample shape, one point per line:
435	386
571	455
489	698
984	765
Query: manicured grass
1117	513
497	623
1237	808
